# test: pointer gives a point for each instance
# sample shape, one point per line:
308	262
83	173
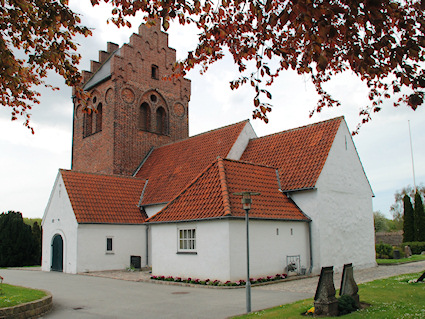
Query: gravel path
309	285
306	285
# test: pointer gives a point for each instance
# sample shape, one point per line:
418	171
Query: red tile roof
170	168
97	198
299	154
210	195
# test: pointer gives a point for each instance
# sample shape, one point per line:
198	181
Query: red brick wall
122	144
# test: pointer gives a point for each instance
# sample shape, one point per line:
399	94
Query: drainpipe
147	245
311	247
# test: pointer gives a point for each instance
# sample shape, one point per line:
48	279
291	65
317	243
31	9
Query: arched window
144	117
88	124
99	118
161	121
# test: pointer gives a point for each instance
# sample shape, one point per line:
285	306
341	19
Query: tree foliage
383	224
381	41
419	218
397	208
36	36
19	243
408	220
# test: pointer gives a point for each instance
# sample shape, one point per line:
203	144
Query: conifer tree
419	218
408	220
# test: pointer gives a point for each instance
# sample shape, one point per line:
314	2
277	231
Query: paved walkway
78	296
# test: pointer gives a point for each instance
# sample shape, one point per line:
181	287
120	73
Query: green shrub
384	250
416	246
346	305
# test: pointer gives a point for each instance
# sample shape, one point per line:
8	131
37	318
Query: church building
142	192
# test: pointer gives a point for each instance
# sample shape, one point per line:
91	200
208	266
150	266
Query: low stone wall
393	239
33	309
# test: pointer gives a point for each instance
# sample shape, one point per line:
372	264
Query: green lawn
393	297
13	295
401	260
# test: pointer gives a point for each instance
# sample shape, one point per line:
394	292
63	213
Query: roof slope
210	195
97	198
171	167
299	154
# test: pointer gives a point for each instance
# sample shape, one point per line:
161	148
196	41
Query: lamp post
246	204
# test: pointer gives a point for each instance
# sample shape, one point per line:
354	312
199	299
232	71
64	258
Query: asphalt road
79	296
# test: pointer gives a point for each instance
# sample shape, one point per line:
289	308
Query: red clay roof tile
210	195
171	167
97	198
299	154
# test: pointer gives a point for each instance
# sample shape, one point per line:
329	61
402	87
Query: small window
187	240
88	124
109	245
144	117
155	72
161	121
99	118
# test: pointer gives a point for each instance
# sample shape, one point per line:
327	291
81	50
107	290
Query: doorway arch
57	253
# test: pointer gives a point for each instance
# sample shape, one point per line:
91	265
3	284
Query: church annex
140	189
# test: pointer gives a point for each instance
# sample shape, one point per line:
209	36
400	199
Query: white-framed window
187	239
109	245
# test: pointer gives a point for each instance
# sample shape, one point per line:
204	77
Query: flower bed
209	282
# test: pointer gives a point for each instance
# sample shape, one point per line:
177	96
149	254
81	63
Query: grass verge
401	260
13	295
389	298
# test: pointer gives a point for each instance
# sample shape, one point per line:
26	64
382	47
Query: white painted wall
341	209
241	142
211	260
221	249
270	243
153	209
127	240
59	218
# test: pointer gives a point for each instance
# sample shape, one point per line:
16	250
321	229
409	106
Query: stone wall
33	309
393	238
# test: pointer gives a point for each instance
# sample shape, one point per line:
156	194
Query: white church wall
153	209
342	210
59	219
241	142
270	243
127	240
211	260
221	249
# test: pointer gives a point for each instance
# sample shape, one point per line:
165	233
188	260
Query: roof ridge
249	163
224	189
203	133
101	174
301	127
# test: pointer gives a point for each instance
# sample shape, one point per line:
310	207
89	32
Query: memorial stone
348	284
325	302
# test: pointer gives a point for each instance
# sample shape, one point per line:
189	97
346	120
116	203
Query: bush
416	246
384	250
346	305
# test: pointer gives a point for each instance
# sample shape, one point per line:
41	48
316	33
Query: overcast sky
29	163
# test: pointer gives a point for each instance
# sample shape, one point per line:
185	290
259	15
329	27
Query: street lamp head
246	199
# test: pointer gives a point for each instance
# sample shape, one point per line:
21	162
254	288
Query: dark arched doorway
57	253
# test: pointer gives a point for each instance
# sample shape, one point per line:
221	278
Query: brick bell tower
136	108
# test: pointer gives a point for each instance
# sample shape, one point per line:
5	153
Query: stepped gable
104	199
299	153
170	168
210	195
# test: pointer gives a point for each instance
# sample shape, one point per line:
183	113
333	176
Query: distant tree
17	244
408	220
397	209
380	222
419	218
36	233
